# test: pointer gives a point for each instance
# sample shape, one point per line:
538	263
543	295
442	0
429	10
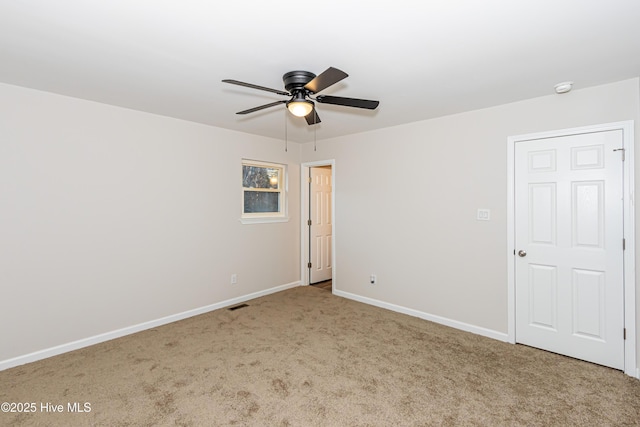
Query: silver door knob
522	253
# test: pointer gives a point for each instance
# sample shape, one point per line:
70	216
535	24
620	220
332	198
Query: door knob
522	253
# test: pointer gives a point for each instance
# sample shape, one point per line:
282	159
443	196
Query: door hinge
624	244
308	222
621	149
308	265
309	180
624	334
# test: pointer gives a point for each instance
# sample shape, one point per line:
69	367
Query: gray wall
111	217
406	200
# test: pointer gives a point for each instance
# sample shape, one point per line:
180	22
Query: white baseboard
86	342
500	336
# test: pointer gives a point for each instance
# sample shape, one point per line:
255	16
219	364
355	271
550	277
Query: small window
263	192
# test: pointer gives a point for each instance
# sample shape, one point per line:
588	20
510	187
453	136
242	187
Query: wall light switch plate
483	215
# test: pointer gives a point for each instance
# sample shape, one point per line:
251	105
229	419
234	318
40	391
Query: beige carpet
304	357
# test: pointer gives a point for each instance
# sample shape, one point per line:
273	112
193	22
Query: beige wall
111	217
406	200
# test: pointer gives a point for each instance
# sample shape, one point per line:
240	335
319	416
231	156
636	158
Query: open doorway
318	228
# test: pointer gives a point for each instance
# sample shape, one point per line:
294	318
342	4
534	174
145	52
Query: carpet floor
305	357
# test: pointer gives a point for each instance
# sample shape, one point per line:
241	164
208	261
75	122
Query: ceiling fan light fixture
300	107
299	86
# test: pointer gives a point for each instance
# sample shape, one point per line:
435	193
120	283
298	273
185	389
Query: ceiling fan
300	86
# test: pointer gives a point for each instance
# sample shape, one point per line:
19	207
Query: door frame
628	229
304	214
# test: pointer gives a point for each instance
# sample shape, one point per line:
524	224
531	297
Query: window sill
264	220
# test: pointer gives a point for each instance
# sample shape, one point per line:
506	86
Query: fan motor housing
296	80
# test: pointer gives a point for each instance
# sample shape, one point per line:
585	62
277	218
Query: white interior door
569	246
320	228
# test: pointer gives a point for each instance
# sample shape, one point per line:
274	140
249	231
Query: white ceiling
419	59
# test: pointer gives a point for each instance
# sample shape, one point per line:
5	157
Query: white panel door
320	229
569	247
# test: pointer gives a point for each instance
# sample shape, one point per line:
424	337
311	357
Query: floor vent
238	306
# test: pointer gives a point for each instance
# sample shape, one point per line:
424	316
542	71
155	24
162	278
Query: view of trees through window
259	177
261	188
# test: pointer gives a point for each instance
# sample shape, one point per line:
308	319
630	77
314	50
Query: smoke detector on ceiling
563	87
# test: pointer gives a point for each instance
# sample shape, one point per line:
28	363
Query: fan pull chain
315	128
286	136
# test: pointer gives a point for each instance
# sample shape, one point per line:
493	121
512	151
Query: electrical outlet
373	279
234	279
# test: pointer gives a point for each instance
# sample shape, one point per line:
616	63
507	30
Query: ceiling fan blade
348	102
327	78
252	86
262	107
312	118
